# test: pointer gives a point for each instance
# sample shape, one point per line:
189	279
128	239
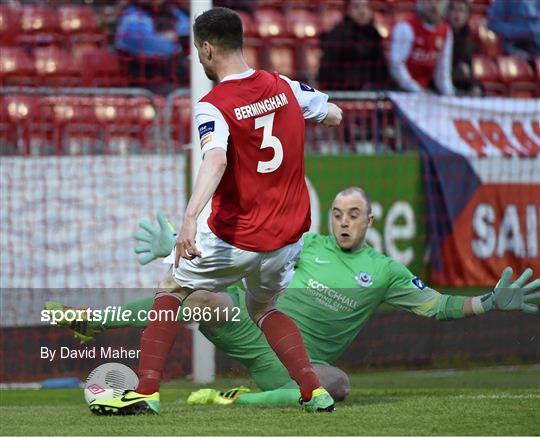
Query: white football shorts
264	274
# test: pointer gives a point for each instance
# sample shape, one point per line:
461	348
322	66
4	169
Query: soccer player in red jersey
251	128
421	50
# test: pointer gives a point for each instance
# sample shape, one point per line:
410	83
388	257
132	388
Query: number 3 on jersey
269	141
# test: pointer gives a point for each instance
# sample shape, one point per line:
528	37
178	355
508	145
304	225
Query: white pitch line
496	396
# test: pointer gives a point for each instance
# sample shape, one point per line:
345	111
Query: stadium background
91	143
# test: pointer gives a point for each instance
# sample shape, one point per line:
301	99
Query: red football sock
284	337
156	342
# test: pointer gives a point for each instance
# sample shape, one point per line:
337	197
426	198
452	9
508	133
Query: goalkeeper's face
350	220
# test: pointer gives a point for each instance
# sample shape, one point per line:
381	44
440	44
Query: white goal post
204	364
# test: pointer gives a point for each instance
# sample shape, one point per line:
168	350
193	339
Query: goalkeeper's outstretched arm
507	295
408	293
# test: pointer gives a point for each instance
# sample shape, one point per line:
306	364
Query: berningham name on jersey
261	107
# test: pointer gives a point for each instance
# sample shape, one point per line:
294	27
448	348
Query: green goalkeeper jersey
332	295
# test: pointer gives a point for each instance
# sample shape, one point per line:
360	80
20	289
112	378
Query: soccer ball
108	381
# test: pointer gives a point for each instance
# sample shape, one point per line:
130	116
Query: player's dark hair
221	27
361	192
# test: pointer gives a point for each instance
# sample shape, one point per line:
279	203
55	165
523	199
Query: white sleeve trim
477	307
443	70
314	103
400	49
218	136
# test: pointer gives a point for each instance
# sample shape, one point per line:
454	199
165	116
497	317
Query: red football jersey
426	49
262	202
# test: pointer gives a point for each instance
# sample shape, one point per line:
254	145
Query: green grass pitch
485	401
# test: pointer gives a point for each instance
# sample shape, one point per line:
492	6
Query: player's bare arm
334	116
210	174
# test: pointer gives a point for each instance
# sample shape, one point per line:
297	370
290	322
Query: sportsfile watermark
104	307
121	314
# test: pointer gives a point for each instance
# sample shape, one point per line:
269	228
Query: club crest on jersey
418	283
306	87
364	279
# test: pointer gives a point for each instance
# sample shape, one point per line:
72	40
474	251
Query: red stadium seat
54	66
181	124
270	23
16	67
330	17
125	122
488	41
79	49
275	4
79	128
145	116
101	67
312	60
19	114
486	72
114	118
252	43
279	51
282	58
80	23
250	29
6	133
518	75
39	26
77	19
335	4
252	52
302	23
10	24
71	121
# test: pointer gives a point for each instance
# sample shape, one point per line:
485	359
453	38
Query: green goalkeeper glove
155	242
513	296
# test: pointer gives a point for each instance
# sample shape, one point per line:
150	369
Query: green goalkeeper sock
281	396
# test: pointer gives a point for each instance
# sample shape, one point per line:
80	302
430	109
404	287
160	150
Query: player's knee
200	299
214	307
168	286
257	309
335	381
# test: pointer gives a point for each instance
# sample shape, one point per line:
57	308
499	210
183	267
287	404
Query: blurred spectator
464	48
237	5
421	50
150	33
353	55
517	23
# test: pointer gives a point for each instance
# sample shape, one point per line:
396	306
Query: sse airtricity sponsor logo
364	279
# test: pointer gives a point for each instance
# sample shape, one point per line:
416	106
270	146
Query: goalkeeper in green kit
338	284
